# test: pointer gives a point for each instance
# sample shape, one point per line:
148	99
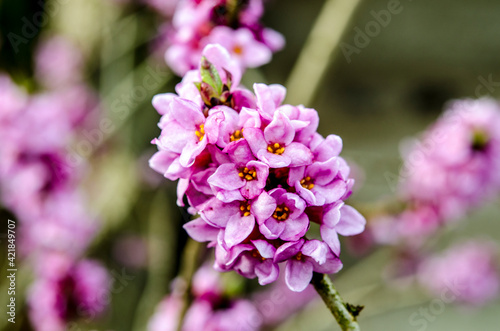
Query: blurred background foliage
431	52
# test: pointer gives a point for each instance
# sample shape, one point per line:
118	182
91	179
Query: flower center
200	133
307	183
281	213
299	256
245	208
480	140
248	174
237	135
275	148
255	253
237	50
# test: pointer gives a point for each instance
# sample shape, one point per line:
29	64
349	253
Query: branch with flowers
265	199
256	172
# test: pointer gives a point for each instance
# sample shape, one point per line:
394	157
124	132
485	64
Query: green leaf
210	76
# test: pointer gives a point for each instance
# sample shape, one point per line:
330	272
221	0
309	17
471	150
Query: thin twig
344	313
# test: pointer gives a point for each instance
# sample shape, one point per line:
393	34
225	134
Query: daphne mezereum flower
463	144
465	273
75	291
452	169
256	172
233	24
212	309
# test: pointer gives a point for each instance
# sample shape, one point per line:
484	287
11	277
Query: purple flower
237	218
274	145
338	218
238	182
185	130
303	258
288	221
269	98
319	183
231	130
252	259
240	178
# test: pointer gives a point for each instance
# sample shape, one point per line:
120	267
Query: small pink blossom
469	272
210	310
80	292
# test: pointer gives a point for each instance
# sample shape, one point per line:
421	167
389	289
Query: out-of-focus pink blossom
41	186
468	272
210	310
234	25
79	292
167	315
58	63
456	165
452	169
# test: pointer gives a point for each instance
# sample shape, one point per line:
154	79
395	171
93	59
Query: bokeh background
429	53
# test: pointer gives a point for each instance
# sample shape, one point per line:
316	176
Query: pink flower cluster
234	24
256	172
39	184
211	309
452	169
466	273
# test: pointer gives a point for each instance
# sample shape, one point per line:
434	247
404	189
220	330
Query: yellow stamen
248	174
237	135
257	255
245	208
276	148
306	183
281	213
200	133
